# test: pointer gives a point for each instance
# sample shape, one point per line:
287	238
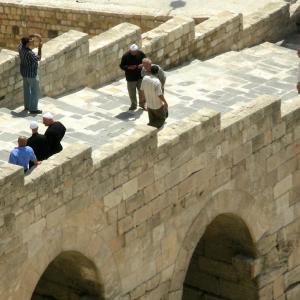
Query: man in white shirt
298	79
156	102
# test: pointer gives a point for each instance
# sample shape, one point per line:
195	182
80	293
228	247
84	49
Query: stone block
142	214
125	224
130	188
113	199
283	186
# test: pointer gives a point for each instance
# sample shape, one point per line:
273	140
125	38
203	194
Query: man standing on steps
38	142
54	133
28	68
131	63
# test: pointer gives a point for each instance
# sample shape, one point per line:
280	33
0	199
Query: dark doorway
70	276
222	263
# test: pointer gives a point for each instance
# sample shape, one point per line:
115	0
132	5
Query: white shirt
152	90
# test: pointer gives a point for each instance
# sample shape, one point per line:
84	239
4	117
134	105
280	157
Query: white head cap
34	125
48	115
134	47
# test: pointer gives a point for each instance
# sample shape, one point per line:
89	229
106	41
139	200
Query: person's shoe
132	107
35	112
143	107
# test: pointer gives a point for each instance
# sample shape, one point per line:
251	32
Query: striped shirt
152	90
29	62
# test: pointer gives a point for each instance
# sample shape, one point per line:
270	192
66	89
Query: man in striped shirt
28	68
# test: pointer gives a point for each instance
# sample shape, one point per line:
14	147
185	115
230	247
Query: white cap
134	47
34	125
48	115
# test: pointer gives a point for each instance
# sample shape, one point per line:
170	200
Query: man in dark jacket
38	142
54	133
131	63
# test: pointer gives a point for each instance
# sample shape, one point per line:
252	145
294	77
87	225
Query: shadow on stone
177	4
128	116
21	114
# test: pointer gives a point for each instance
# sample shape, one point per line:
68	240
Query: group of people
148	80
38	147
142	76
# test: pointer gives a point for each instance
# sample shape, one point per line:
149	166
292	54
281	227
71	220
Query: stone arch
240	204
69	276
71	238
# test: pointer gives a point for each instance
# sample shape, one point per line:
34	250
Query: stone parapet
217	35
169	43
106	50
11	86
270	24
63	64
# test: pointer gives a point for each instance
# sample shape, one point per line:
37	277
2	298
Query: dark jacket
40	146
54	135
128	60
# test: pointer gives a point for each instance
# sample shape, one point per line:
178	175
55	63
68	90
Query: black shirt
54	135
39	144
128	60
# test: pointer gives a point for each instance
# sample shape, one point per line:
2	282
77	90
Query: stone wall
11	86
63	64
138	209
217	35
50	20
270	24
169	44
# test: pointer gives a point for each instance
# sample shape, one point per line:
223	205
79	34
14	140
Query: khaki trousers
132	87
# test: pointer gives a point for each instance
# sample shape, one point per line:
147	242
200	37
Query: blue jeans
31	88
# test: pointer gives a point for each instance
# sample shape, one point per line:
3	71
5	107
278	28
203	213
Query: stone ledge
111	37
62	44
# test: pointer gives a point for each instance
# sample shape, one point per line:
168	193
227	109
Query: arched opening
70	276
221	267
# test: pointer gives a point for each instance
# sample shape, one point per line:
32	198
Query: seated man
38	142
156	102
54	133
22	154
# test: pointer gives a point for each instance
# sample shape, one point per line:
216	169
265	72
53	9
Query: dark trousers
157	117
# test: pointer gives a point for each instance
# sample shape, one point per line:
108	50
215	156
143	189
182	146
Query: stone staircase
224	83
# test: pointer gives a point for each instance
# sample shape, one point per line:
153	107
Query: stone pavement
223	83
173	7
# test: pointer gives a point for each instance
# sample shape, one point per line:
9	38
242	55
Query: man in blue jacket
22	154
